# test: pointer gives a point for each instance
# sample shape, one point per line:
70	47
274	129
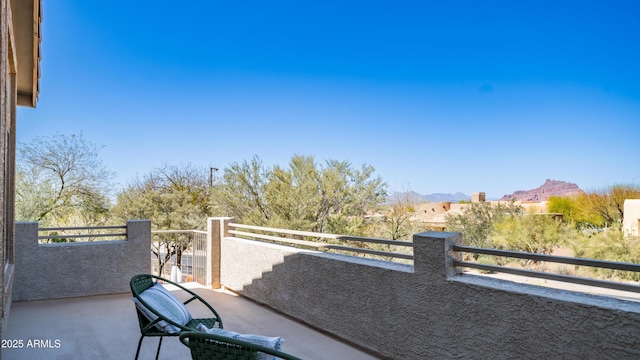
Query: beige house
20	72
631	222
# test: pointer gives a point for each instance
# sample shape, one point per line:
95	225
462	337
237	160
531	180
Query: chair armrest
199	340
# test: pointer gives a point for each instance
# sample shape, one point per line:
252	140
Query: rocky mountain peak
542	193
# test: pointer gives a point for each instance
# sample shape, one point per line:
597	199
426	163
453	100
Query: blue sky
449	96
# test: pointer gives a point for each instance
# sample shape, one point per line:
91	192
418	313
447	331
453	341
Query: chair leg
159	344
139	343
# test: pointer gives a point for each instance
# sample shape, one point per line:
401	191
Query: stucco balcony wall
427	310
53	271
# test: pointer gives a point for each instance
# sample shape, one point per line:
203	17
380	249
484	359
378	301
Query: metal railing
185	250
611	265
322	241
81	233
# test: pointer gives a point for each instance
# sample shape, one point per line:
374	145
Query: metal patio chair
205	346
142	282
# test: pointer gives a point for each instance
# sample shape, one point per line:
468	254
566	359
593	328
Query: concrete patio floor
106	327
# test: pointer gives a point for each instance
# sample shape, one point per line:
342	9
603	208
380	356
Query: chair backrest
138	284
142	282
212	346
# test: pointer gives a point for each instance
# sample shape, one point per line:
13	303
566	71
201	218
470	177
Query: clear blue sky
446	96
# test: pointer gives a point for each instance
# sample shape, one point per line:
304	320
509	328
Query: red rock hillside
549	188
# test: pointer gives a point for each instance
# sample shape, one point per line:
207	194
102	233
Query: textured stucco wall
428	311
50	271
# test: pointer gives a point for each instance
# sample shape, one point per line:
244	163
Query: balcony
422	306
106	327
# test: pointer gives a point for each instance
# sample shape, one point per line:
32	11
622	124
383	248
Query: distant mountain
542	193
440	197
437	197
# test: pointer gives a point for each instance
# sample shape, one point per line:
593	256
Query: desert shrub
476	222
610	245
534	233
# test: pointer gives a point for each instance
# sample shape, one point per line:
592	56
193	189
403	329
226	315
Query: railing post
432	254
139	231
217	228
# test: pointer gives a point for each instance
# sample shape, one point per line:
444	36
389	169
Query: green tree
173	198
294	194
476	221
608	204
605	208
302	196
241	193
565	205
62	181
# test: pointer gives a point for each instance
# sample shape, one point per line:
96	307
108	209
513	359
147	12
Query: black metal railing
81	233
601	264
322	241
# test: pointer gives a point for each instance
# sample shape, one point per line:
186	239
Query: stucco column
26	243
432	254
139	231
217	228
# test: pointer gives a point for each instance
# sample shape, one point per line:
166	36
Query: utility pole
211	170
